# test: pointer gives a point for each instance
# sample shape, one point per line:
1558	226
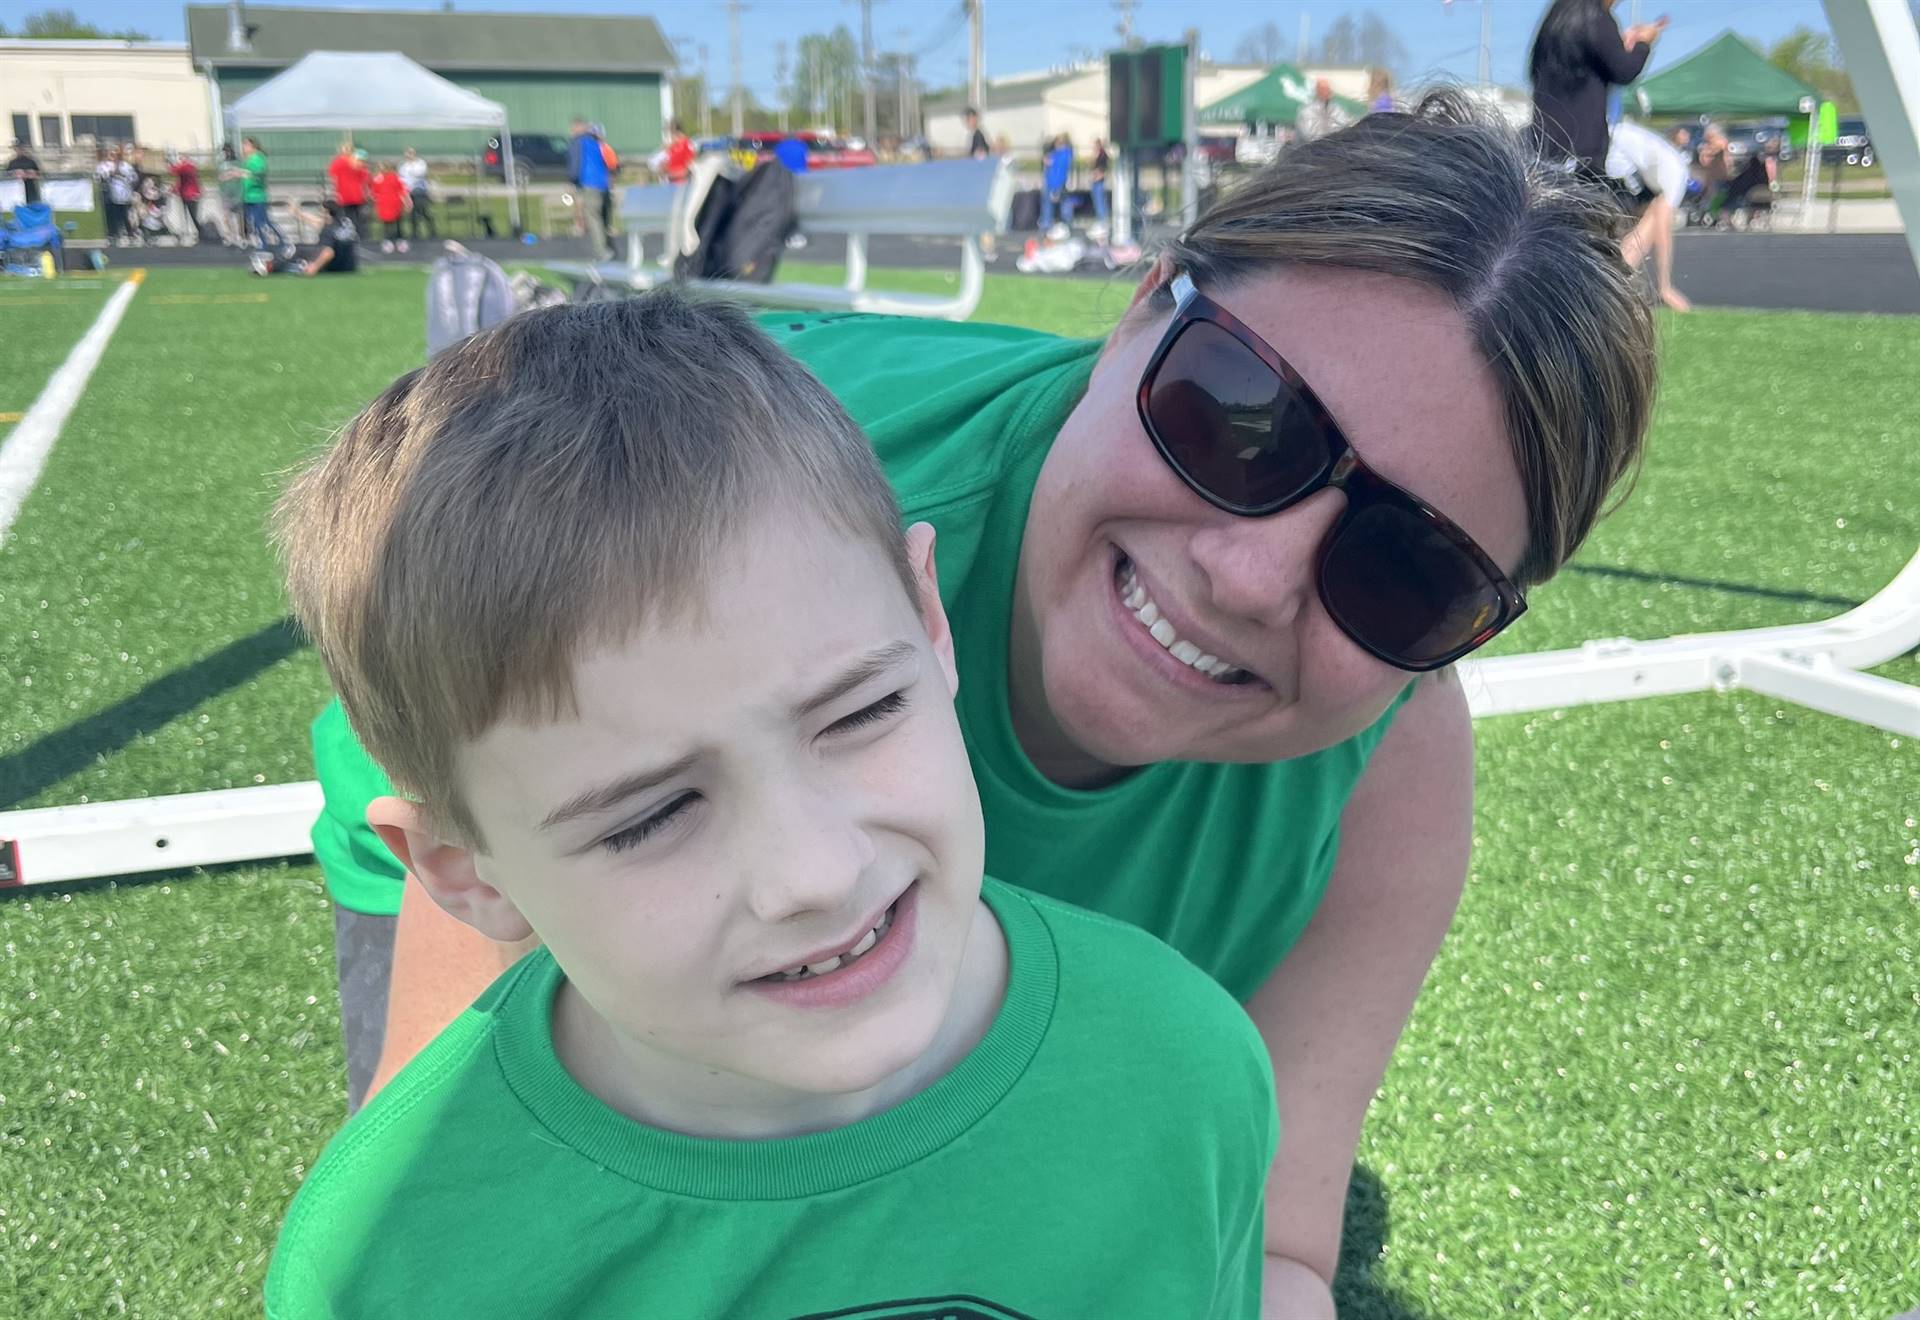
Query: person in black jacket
1577	54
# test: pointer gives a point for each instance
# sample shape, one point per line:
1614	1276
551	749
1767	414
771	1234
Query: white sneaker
289	252
1058	232
402	246
386	245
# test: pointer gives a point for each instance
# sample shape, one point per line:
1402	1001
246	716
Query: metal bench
958	199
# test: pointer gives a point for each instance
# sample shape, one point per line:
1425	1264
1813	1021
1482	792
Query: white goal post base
52	845
1811	665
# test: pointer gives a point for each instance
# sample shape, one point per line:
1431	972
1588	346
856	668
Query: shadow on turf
42	764
1714	584
1357	1294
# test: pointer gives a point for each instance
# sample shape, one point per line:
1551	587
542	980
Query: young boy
618	596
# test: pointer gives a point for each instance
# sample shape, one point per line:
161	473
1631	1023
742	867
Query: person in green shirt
254	197
621	596
1410	292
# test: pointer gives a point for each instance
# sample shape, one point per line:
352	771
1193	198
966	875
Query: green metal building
545	69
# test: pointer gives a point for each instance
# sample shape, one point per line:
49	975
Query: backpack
760	221
609	157
466	293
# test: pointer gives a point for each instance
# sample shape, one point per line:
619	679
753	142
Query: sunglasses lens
1398	584
1231	424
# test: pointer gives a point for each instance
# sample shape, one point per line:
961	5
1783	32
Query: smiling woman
1185	665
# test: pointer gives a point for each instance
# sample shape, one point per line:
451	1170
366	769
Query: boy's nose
813	865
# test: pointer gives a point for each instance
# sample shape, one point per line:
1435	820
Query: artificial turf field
1663	1067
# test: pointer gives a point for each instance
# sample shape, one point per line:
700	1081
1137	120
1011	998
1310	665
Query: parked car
823	152
1853	143
535	156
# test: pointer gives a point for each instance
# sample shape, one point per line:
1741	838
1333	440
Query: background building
1029	109
64	94
545	69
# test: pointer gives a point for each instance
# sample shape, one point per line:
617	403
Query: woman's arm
1334	1009
1617	60
440	966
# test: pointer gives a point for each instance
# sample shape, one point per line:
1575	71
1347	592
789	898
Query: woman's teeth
854	954
1135	598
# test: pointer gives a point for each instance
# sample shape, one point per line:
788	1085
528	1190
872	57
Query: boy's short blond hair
543	486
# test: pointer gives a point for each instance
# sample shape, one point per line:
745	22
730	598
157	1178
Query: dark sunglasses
1237	423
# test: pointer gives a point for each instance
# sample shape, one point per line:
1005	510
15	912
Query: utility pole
1486	42
813	85
780	78
976	67
900	97
903	41
733	49
913	94
1306	28
706	101
1190	134
866	66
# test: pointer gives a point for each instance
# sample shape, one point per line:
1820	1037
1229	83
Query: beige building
1029	109
65	94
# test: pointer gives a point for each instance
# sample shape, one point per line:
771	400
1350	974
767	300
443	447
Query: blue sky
1030	34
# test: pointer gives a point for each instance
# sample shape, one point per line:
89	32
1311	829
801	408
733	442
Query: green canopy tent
1725	77
1277	97
1729	77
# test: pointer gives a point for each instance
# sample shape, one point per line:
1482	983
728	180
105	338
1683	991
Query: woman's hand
1645	34
1332	1012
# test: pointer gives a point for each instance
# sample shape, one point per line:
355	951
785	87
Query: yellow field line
10	417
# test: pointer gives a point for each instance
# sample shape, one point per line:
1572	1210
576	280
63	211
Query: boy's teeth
1135	598
867	941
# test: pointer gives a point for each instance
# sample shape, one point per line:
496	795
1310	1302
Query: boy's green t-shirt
255	188
1225	862
1101	1152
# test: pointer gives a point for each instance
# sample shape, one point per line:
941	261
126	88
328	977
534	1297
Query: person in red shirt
186	186
390	205
680	153
349	175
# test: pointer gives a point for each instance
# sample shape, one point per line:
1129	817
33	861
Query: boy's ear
933	614
446	869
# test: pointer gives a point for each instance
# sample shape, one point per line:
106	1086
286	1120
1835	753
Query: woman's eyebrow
853	676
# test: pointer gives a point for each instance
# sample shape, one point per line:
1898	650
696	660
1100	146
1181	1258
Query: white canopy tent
354	91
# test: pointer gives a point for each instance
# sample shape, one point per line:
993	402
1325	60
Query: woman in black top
1577	54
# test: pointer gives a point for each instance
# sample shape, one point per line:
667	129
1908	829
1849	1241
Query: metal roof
440	40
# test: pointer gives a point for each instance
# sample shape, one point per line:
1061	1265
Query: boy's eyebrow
853	676
596	800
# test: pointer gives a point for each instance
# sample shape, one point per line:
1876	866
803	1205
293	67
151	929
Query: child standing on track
390	205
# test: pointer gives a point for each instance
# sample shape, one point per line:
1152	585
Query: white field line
26	450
